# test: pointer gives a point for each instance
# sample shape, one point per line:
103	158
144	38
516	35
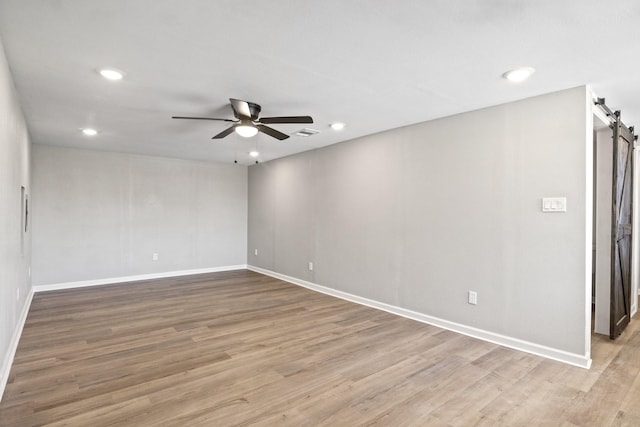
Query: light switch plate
473	297
554	204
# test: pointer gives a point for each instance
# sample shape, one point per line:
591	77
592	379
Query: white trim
635	221
514	343
122	279
13	344
590	110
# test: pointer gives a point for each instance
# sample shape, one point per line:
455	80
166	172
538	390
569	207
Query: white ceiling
373	64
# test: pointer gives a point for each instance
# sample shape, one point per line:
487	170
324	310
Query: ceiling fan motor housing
255	110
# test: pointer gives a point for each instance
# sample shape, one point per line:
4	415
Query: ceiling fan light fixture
246	131
111	74
248	123
518	75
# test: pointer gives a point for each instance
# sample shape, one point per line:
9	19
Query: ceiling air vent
307	132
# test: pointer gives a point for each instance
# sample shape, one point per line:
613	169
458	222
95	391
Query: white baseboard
514	343
13	345
122	279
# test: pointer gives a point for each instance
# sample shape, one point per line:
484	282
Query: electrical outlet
255	252
310	266
154	257
473	297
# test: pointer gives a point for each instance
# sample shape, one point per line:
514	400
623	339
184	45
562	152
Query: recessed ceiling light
246	130
254	153
337	126
89	132
111	74
519	74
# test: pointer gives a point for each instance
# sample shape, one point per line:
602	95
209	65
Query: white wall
415	217
15	165
99	215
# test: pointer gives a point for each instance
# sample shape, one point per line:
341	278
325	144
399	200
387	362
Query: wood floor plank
242	349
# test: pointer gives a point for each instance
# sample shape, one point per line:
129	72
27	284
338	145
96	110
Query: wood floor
239	348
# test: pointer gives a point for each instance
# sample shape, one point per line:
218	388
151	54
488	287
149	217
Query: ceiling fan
247	122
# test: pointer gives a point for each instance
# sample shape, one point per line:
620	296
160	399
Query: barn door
621	228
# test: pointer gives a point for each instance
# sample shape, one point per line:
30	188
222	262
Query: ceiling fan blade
240	108
224	133
202	118
272	132
293	119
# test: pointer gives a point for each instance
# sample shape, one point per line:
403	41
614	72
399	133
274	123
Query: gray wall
100	215
415	217
15	247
